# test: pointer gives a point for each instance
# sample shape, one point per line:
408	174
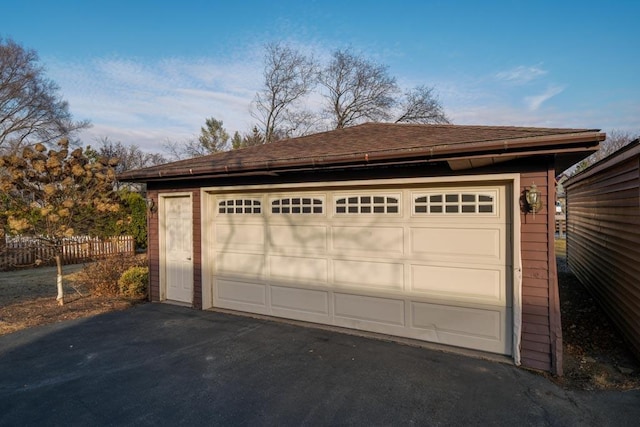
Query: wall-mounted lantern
151	205
534	199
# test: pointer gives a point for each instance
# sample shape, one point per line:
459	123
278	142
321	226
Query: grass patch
561	247
28	298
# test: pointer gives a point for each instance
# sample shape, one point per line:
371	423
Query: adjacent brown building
603	236
417	231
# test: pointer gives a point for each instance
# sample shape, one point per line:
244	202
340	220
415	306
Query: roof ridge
374	139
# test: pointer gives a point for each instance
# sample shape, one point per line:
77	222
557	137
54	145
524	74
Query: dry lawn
28	298
595	355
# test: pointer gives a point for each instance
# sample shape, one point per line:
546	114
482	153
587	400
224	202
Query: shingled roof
379	143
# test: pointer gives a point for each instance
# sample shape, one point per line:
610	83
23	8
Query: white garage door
430	263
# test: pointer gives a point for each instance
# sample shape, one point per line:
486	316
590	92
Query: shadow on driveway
158	364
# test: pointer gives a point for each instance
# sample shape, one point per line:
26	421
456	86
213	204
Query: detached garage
417	231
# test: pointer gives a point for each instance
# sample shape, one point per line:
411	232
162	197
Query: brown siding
541	341
603	237
153	250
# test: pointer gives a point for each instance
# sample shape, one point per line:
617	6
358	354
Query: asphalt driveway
158	364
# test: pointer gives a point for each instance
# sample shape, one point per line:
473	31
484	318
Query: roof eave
574	142
625	153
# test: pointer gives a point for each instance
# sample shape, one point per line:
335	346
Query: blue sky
145	72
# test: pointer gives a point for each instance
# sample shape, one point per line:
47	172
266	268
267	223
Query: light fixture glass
534	199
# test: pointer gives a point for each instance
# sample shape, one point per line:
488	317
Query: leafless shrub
101	277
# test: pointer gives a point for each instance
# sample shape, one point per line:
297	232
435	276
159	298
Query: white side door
176	229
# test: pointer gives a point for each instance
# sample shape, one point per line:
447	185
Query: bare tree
303	122
175	149
31	110
421	105
616	139
354	90
357	89
129	156
288	77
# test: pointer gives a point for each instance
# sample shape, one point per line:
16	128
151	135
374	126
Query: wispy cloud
136	102
521	74
535	102
478	100
503	115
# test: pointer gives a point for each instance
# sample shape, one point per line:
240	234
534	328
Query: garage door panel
475	244
427	262
459	283
240	263
304	316
461	326
305	301
386	240
298	237
242	237
454	319
369	274
298	268
231	291
362	308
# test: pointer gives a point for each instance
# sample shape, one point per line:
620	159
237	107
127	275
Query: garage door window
240	206
454	203
369	204
297	205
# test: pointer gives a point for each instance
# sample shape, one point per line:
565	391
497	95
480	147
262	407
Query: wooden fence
29	252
